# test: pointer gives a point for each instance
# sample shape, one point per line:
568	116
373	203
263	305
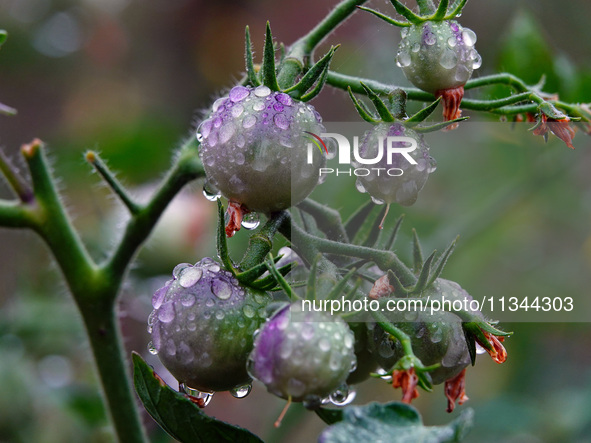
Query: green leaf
395	423
3	36
178	415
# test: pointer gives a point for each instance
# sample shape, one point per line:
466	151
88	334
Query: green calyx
428	12
393	109
308	84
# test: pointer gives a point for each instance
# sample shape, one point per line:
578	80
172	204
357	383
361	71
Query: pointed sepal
362	110
249	58
441	10
314	75
422	114
384	17
268	74
379	104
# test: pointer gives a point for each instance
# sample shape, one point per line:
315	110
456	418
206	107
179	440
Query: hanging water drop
199	397
211	195
152	349
469	37
241	391
403	59
251	221
343	396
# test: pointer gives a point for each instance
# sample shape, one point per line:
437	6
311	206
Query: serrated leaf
179	416
395	423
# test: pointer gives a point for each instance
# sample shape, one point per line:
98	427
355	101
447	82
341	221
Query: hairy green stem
92	292
261	242
310	246
299	55
186	168
506	105
328	220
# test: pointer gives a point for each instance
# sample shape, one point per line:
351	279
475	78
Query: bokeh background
130	78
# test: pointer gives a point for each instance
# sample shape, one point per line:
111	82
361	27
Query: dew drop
360	186
226	132
416	47
469	37
249	121
189	277
343	396
166	312
404	32
429	39
249	311
238	93
403	59
448	59
241	391
211	195
377	201
220	315
204	129
205	397
152	349
258	106
284	99
385	349
480	349
437	335
178	269
452	41
262	91
158	297
324	345
251	221
216	105
221	289
477	62
281	121
237	110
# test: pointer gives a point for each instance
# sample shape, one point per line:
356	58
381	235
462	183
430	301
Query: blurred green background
129	78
